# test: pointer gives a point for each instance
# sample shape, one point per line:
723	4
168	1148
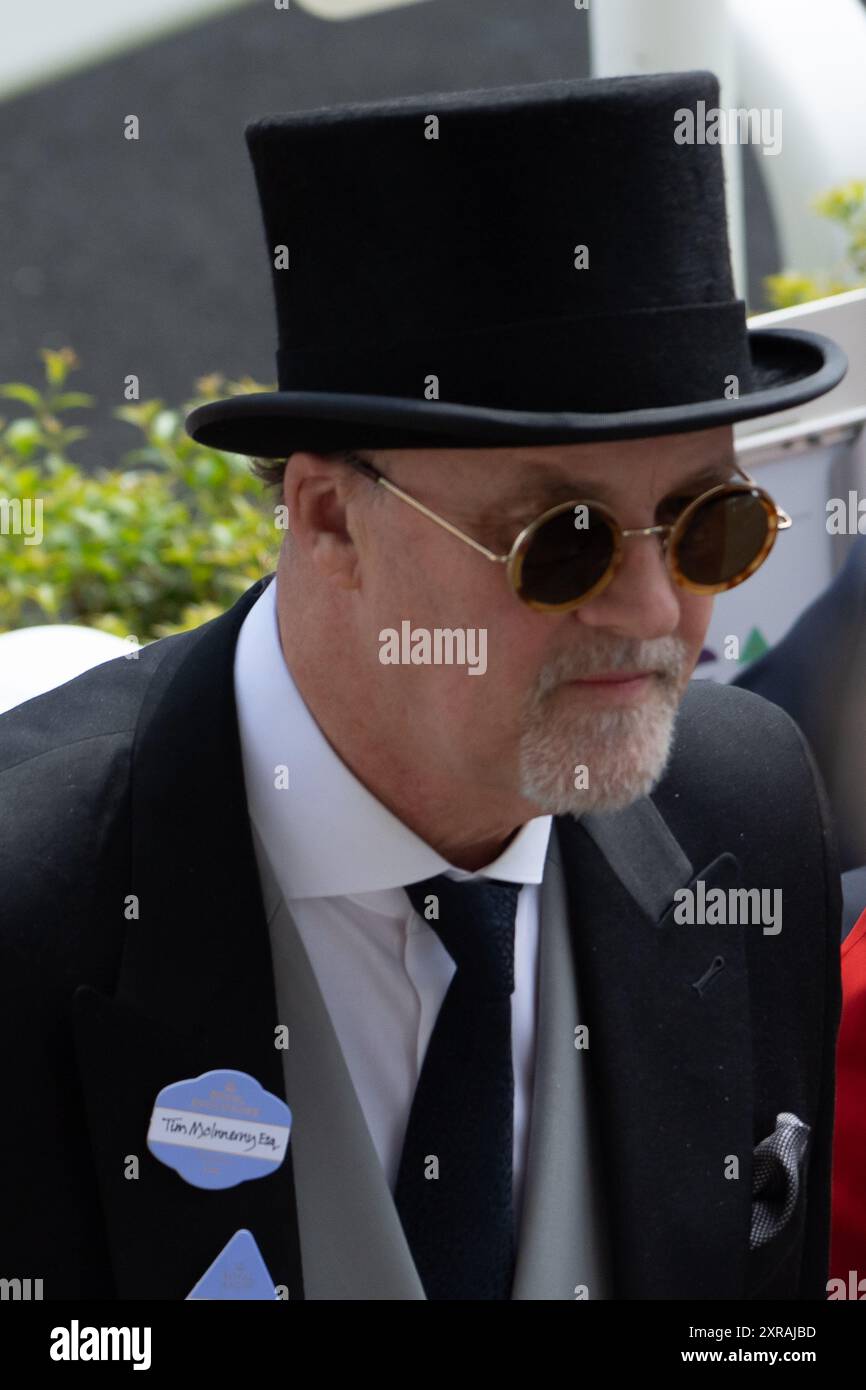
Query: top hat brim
789	367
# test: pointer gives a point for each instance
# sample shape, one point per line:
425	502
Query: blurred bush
846	206
156	546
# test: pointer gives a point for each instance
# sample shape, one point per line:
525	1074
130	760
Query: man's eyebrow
707	476
550	485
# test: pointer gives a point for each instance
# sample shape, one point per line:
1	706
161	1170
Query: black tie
460	1224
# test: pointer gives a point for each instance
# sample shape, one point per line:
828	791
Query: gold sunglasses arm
783	520
440	521
386	483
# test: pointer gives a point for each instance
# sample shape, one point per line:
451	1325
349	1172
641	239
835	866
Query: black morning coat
128	780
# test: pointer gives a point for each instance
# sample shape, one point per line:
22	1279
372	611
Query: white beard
625	750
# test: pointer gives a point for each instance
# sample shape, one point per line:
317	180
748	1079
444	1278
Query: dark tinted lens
565	559
722	538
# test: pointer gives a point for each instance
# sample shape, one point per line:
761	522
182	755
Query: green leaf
19	391
23	436
140	414
47	598
164	425
72	400
148	455
58	363
75	432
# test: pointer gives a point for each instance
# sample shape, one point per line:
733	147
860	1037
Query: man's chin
578	802
600	764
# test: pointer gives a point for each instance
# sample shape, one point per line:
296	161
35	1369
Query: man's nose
641	600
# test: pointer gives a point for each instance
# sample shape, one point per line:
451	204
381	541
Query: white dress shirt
341	859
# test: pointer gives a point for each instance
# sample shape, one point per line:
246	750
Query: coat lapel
670	1056
195	989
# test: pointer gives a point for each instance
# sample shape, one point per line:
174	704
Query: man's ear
317	492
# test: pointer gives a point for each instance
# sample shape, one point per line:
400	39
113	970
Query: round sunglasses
572	551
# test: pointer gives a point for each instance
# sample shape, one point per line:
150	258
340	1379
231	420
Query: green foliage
846	206
156	546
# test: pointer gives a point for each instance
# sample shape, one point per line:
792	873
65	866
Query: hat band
635	360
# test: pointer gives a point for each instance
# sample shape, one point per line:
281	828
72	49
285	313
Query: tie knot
474	920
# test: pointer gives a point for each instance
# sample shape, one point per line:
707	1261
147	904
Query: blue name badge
219	1129
237	1272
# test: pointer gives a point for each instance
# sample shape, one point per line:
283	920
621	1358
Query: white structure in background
36	659
810	60
350	9
45	41
48	40
803	457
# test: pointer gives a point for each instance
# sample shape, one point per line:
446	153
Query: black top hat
430	287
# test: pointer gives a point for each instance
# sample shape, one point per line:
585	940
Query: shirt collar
325	834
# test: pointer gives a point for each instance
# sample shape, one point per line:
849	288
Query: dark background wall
148	256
